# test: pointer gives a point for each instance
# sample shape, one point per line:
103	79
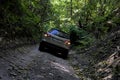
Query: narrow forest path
28	63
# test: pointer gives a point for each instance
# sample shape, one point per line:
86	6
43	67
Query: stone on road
28	63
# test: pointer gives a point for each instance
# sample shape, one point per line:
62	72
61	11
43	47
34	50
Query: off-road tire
41	47
65	54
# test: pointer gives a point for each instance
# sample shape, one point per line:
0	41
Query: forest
29	19
21	18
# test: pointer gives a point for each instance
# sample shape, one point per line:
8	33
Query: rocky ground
28	63
100	61
89	68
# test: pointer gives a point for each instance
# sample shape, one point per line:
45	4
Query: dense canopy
29	18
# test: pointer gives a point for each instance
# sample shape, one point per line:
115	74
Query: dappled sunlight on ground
60	67
108	77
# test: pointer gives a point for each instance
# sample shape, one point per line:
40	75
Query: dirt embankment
101	61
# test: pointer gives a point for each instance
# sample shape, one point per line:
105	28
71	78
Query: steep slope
101	61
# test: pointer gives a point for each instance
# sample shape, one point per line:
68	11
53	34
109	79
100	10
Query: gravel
28	63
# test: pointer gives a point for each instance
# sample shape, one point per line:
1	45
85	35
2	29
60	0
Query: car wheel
41	47
65	54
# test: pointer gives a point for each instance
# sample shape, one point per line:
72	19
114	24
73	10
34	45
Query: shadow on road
55	53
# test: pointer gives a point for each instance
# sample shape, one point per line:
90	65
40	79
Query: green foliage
86	41
22	18
95	15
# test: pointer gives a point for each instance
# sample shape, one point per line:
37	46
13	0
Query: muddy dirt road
28	63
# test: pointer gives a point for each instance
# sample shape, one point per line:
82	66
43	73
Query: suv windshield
59	33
